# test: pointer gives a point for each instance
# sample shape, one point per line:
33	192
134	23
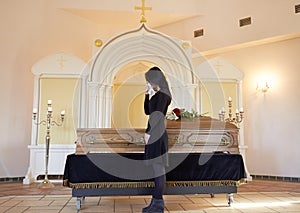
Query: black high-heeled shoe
156	206
144	210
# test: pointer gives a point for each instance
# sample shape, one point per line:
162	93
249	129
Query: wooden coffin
202	134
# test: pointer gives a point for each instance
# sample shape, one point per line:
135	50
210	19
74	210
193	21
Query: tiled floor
256	196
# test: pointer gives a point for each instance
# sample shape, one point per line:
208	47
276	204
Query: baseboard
11	179
276	178
20	179
50	177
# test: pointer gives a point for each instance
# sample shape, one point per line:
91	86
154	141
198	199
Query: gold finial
98	42
185	45
143	8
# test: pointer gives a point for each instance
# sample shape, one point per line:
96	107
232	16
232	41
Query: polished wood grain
203	134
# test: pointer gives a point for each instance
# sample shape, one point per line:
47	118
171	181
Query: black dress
156	151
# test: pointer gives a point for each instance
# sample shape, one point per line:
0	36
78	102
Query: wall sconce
262	86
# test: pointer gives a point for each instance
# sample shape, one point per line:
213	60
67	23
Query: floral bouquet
177	113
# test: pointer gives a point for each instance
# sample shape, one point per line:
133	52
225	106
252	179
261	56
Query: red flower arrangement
176	112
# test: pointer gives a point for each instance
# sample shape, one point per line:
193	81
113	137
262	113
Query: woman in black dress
156	138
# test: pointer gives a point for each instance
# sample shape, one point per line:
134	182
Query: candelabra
239	114
48	122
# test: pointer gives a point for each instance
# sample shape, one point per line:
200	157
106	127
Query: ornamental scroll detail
212	139
108	138
121	137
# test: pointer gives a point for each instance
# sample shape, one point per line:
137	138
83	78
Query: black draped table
108	174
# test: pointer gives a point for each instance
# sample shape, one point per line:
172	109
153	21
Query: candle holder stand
239	114
48	122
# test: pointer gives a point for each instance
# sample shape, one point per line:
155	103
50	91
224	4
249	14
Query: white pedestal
243	153
57	158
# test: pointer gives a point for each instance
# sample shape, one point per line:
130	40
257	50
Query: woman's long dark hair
156	76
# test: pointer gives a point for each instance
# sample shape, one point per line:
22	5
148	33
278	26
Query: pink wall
220	21
30	30
33	29
272	120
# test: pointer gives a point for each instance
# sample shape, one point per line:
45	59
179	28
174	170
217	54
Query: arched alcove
142	44
128	96
219	79
56	78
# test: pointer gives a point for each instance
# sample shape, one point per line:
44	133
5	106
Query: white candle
237	111
63	112
241	109
229	99
223	109
49	109
34	111
49	102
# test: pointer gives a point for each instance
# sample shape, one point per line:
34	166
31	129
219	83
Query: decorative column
176	96
34	130
183	93
101	105
108	106
93	95
191	91
242	146
82	108
198	97
34	127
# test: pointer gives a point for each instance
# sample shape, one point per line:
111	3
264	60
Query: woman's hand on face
146	138
149	89
146	89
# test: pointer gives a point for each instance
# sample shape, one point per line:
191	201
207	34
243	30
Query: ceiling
128	19
219	19
116	15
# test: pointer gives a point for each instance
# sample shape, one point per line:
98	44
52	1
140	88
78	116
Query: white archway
141	44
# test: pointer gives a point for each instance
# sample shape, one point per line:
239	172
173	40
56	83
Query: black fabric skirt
157	151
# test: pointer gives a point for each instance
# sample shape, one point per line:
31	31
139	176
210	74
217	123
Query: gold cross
143	8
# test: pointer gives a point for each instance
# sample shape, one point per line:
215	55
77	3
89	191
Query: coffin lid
202	122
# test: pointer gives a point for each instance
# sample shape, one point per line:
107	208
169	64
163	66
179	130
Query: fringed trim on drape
97	185
205	183
66	183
